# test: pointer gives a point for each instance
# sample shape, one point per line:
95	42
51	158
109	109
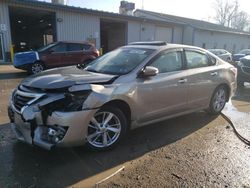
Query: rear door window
75	47
86	46
78	47
61	47
196	59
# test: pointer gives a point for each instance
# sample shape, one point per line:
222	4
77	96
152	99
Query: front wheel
106	128
36	68
218	100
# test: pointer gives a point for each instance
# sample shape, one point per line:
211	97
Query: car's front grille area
20	101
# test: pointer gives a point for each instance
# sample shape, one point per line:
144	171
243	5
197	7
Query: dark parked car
243	70
56	54
240	54
221	53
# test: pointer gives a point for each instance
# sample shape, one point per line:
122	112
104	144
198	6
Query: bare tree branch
228	14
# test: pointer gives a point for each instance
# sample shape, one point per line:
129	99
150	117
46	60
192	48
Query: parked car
243	70
240	54
221	53
129	87
56	54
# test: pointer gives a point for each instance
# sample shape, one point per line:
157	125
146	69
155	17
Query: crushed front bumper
61	129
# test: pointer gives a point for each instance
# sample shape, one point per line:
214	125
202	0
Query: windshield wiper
91	70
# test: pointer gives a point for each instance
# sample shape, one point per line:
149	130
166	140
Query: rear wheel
218	100
106	128
240	83
36	68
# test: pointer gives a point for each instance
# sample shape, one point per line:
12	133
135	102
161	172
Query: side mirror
149	71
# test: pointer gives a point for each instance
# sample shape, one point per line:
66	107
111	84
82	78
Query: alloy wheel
36	68
219	99
104	129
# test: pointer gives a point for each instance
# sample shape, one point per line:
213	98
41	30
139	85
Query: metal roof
199	24
53	7
159	18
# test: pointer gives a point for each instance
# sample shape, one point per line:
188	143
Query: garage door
163	34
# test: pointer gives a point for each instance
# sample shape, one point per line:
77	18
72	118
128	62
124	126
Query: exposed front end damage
49	119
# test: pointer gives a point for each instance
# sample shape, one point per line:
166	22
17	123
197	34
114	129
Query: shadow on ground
26	166
13	75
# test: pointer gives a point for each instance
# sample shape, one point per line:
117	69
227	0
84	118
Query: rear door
166	93
77	53
74	54
202	75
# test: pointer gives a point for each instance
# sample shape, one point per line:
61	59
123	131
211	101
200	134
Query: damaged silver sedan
132	86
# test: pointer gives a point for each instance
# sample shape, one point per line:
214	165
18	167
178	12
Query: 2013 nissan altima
130	87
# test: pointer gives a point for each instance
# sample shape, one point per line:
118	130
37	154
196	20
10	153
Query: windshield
46	47
120	61
245	51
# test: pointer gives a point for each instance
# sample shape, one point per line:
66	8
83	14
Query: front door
164	94
1	48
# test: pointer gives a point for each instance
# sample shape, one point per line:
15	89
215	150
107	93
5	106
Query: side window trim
68	48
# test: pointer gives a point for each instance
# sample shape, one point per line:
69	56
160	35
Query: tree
228	14
225	11
241	21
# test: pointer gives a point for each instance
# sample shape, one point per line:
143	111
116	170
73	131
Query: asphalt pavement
196	150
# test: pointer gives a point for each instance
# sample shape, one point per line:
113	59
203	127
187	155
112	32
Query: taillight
97	52
234	70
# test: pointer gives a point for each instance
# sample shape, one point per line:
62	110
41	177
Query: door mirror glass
150	71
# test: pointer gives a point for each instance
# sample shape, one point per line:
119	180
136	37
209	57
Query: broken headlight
74	101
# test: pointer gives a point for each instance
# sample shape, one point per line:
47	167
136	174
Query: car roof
147	45
217	49
75	42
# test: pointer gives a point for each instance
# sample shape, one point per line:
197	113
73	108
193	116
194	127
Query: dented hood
65	77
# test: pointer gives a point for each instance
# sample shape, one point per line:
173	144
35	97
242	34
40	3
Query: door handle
183	80
214	73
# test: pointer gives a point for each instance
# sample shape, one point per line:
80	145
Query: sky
197	9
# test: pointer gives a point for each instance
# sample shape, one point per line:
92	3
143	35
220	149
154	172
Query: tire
36	68
218	100
106	129
240	83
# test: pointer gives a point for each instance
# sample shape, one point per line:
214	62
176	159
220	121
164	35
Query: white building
29	24
204	34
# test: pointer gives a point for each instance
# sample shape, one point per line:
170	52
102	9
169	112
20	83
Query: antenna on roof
142	4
